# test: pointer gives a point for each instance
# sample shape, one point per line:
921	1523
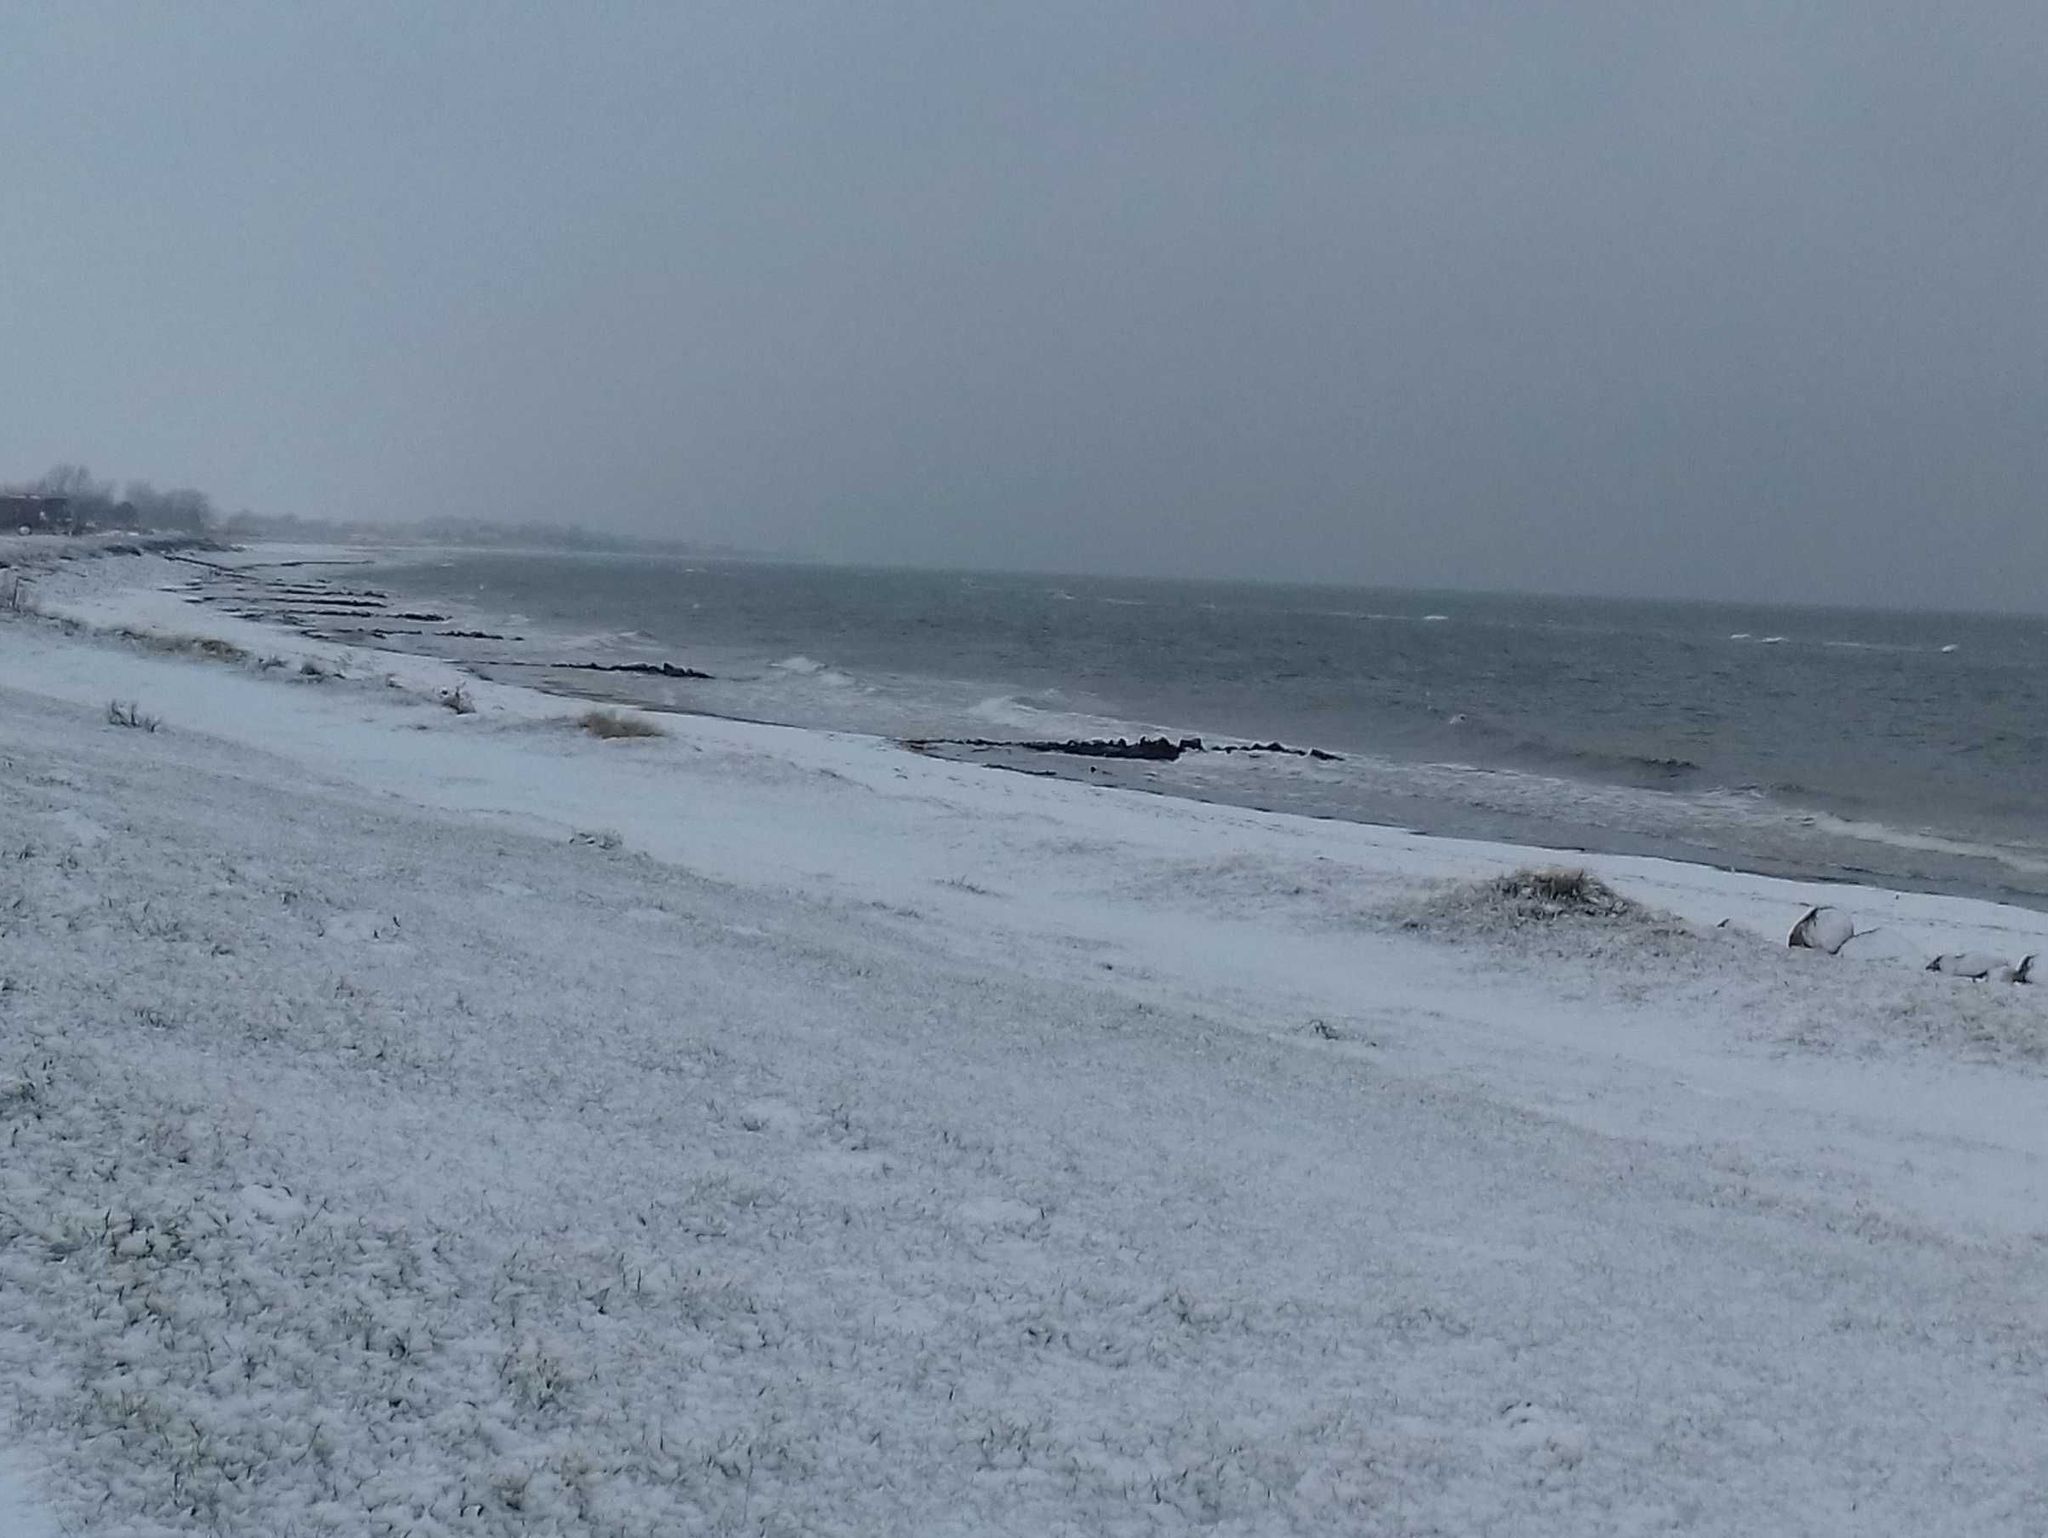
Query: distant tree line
467	533
91	503
477	532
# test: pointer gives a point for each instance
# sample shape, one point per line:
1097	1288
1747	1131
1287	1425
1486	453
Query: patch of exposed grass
210	647
614	724
1557	893
1541	901
128	713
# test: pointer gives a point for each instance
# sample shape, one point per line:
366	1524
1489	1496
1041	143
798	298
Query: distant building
37	514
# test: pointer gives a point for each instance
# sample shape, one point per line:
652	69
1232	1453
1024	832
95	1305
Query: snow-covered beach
433	1122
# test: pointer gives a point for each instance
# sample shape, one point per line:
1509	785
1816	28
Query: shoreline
128	603
1494	828
545	1108
1573	817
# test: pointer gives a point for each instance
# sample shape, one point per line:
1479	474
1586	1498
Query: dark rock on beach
650	669
1161	749
1278	747
653	669
1158	749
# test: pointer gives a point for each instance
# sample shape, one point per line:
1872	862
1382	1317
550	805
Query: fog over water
1731	301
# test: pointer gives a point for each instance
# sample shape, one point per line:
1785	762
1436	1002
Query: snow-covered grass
848	1142
129	714
1495	906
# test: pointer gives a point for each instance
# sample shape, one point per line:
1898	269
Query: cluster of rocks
323	609
1157	749
653	669
649	669
1827	930
1984	969
1271	747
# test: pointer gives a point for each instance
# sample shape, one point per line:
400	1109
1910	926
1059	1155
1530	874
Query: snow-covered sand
431	1123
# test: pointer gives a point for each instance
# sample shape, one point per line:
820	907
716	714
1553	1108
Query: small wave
1640	765
1873	646
811	668
1004	707
1127	603
1434	619
1840	644
603	642
1928	843
1951	647
1810	807
1643	771
1048	713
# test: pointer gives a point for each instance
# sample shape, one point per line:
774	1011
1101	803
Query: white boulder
1979	967
1823	929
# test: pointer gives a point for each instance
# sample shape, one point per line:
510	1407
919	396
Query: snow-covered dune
436	1122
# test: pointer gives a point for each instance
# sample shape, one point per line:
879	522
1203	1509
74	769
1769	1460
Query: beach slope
450	1122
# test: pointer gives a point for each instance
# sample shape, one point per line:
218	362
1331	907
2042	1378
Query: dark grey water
1910	747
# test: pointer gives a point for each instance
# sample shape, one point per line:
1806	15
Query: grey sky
1694	299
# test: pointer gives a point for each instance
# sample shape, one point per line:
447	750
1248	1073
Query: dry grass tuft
613	724
1558	893
130	714
1561	905
180	645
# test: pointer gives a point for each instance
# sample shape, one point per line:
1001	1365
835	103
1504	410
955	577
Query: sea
1831	744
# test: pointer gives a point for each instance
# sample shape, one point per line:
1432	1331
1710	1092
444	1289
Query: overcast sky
1716	299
